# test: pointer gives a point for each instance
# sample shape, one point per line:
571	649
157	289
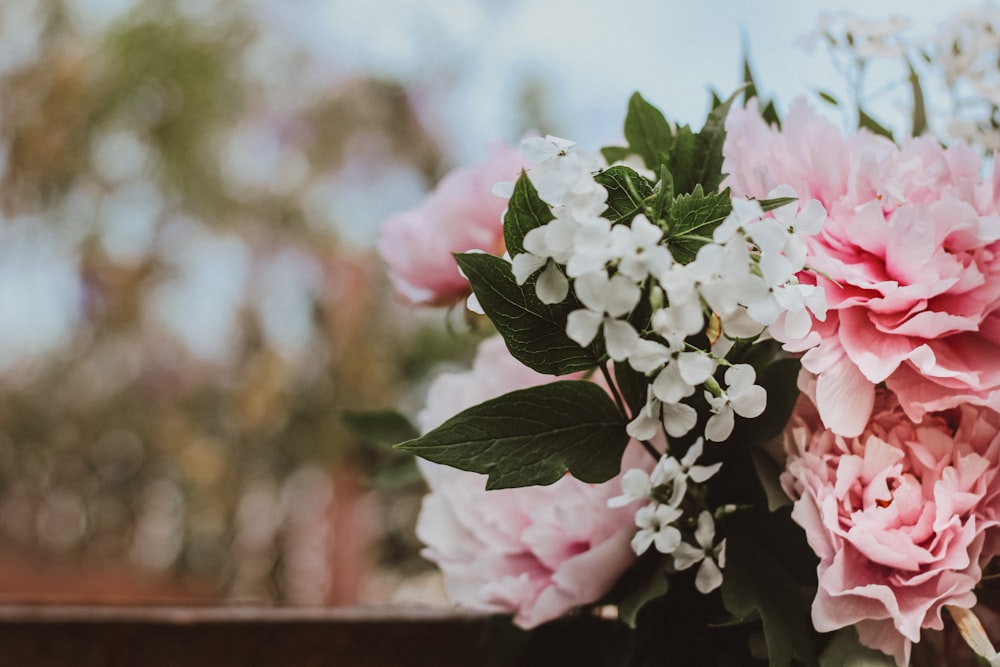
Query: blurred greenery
129	434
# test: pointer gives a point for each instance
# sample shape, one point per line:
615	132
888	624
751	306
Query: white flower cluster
743	278
666	487
967	51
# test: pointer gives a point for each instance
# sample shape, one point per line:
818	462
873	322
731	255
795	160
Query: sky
591	54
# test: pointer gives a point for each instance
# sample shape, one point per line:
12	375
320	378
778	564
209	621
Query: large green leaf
693	218
533	436
535	332
757	581
647	131
525	211
707	167
681	160
627	192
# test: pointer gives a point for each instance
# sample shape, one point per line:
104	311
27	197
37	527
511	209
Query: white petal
525	265
670	387
535	242
709	576
704	534
644	233
693	452
811	218
686	555
635	483
623	295
719	426
740	376
503	189
582	325
620	339
679	419
667	540
701	474
593	289
642	541
643	427
695	367
750	403
648	355
552	286
472	303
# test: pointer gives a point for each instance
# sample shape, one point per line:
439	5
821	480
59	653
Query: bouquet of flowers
743	396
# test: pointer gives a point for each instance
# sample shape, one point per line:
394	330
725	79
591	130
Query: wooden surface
78	636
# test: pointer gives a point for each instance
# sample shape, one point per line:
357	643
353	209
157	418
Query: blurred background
190	192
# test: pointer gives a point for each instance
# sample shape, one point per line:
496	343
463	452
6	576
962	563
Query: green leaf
655	585
665	194
707	167
627	192
681	160
770	115
757	582
769	475
828	98
750	88
693	218
614	154
868	123
379	427
919	109
647	131
535	333
533	436
525	211
844	650
777	202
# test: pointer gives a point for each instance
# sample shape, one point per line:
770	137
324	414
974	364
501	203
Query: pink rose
909	259
461	214
898	516
537	551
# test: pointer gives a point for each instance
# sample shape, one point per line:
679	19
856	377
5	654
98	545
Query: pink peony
898	516
535	551
909	259
461	214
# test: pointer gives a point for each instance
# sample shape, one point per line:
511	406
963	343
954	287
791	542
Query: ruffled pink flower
909	259
461	214
538	551
898	516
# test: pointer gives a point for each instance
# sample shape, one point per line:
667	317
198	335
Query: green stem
652	450
613	388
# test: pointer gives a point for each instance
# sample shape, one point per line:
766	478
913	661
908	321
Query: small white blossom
675	474
639	249
654	522
712	556
635	486
677	419
605	300
742	397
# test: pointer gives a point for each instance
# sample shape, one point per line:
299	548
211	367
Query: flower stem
613	388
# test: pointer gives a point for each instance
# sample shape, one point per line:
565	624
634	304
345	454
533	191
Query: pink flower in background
909	259
537	551
461	214
898	516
